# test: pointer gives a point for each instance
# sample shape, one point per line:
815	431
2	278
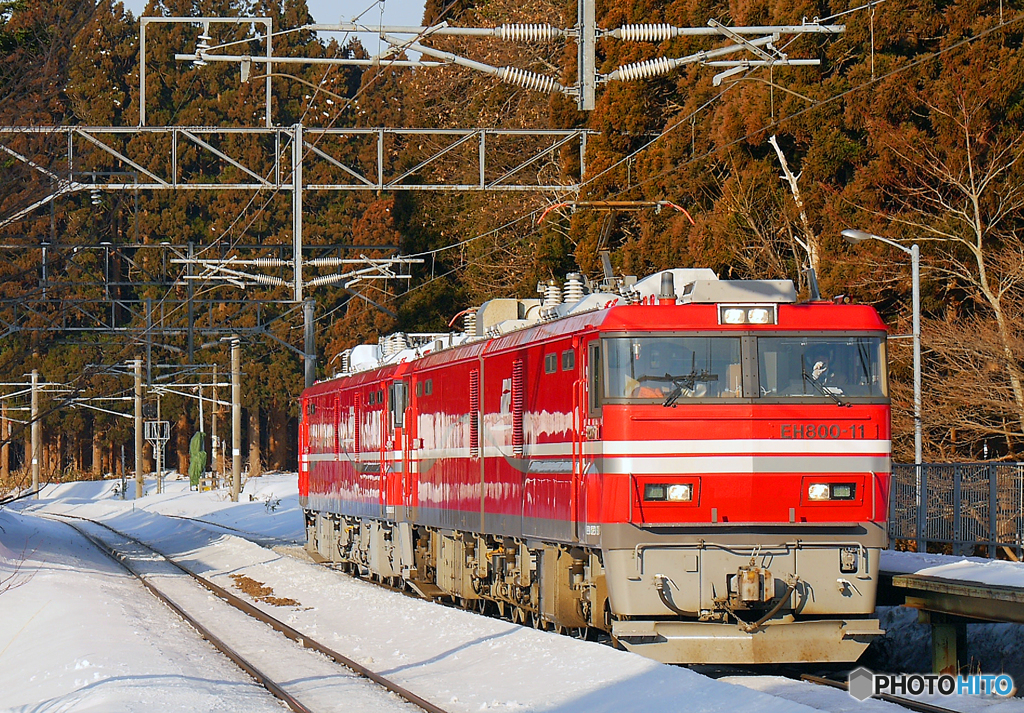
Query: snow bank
970	569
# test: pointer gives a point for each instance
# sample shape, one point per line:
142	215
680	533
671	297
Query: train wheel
518	616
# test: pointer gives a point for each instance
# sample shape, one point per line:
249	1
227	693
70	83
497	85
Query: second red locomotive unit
699	467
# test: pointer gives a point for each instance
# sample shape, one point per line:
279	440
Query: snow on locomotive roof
577	296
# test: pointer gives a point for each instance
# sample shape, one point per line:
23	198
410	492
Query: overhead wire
276	191
589	181
89	373
720	148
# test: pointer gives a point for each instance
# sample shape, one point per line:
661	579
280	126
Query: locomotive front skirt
701	472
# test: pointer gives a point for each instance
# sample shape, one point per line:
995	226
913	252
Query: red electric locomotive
699	467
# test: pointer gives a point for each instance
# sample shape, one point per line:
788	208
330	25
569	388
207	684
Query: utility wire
718	149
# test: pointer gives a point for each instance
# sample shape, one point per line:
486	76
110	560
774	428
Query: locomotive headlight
680	493
832	491
734	315
818	491
654	491
668	492
843	491
759	315
746	314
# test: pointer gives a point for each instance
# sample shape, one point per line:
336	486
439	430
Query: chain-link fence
962	505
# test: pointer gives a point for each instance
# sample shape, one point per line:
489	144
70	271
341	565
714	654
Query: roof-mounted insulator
528	80
529	33
644	70
552	294
646	33
469	322
399	342
573	289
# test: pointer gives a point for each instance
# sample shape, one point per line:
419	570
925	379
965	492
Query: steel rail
889	698
261	678
253	537
276	624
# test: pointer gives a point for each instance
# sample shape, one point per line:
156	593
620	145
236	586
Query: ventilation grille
357	426
518	399
474	413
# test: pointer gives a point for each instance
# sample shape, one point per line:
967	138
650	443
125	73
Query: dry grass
261	592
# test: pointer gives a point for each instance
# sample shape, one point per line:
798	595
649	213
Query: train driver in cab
649	363
652	372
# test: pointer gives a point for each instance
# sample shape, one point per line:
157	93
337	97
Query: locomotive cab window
671	369
594	376
398	398
822	368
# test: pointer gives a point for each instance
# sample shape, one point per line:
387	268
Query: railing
963	505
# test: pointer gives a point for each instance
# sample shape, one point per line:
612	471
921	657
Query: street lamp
854	237
857	236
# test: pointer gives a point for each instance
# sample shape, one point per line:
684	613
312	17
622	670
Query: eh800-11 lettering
821	430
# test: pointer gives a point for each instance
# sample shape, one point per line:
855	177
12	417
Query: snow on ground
73	606
991	648
76	634
971	569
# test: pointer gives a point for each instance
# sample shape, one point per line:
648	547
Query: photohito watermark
863	684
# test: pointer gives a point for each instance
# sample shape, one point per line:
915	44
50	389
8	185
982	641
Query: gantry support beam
194	158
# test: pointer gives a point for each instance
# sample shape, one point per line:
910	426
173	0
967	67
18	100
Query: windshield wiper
689	381
822	389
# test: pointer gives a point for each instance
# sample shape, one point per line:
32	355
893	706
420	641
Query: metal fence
962	505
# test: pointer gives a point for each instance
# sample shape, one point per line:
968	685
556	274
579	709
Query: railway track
306	642
909	703
797	672
257	653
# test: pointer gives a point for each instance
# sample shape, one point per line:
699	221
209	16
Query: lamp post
857	236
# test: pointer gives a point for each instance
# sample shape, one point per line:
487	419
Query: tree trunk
5	450
97	453
255	461
278	426
59	455
78	453
810	240
184	434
